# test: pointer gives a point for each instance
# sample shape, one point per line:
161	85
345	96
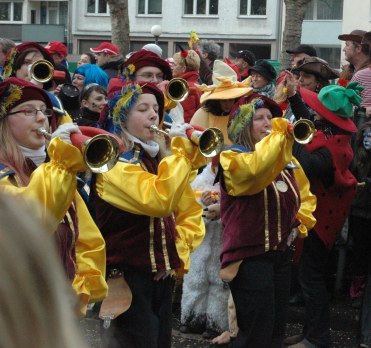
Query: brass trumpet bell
210	141
99	148
42	71
303	131
177	89
101	153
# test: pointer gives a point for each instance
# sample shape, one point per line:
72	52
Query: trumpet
210	141
177	89
303	131
100	149
43	71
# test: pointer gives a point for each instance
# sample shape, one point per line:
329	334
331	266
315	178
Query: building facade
256	25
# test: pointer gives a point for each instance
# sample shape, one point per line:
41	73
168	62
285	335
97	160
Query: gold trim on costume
151	244
286	176
72	226
164	247
266	227
279	217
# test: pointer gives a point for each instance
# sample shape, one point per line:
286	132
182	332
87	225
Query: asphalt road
343	328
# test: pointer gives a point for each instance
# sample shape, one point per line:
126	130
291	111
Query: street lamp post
156	31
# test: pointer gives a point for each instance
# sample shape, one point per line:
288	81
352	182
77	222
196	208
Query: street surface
343	328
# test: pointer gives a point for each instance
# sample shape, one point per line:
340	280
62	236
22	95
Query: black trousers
261	292
148	321
312	277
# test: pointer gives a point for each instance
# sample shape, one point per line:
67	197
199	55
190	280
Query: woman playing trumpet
264	196
135	203
49	187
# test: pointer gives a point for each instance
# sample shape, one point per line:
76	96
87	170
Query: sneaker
293	339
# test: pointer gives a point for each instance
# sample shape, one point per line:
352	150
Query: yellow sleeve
66	118
131	188
52	185
89	283
249	173
190	227
308	202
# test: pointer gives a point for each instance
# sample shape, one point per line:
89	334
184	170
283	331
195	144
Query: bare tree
293	27
120	24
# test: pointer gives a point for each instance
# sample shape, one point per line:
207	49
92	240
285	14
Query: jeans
261	292
148	321
312	277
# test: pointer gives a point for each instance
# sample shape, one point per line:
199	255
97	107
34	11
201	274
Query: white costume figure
204	306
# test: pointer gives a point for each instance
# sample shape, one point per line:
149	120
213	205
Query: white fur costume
205	297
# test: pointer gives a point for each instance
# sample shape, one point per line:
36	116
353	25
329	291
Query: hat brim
311	99
260	70
293	51
226	94
350	37
311	68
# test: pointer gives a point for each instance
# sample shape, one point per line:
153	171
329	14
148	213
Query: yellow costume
51	192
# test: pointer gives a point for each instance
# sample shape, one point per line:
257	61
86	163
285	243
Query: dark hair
361	157
365	48
213	106
89	89
91	57
19	61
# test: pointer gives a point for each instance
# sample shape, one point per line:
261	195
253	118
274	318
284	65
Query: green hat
335	103
341	100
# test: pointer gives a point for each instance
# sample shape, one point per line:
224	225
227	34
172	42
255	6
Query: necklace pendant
281	186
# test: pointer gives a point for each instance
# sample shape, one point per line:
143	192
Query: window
201	7
331	54
97	7
149	7
11	11
324	10
253	7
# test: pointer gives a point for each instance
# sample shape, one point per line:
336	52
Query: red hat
57	47
144	58
106	47
311	98
14	91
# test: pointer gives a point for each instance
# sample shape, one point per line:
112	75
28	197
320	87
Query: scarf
267	91
36	156
151	147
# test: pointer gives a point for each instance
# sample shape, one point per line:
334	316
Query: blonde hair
246	137
191	62
10	154
35	298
